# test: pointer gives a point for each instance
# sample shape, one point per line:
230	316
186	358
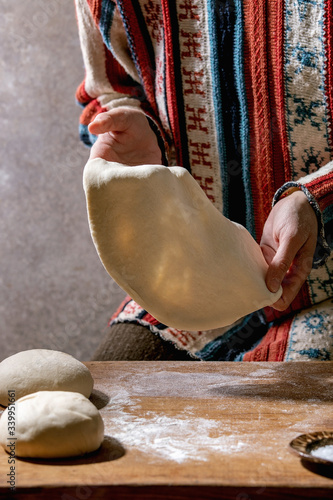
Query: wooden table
193	430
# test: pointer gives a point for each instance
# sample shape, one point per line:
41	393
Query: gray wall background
54	292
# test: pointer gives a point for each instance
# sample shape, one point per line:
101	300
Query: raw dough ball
51	424
170	249
43	370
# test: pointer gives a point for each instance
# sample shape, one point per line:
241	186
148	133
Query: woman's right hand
125	136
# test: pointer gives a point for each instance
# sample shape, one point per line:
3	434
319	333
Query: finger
291	287
295	277
280	263
268	253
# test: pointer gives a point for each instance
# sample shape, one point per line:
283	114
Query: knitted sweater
239	92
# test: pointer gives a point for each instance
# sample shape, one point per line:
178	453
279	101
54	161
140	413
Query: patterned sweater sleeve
111	78
318	187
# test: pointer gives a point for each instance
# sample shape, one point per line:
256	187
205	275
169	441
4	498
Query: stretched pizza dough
43	370
51	424
170	249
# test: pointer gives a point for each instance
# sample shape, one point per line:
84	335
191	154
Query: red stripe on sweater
120	81
322	189
150	319
256	78
275	11
321	182
171	84
273	346
95	7
328	23
81	94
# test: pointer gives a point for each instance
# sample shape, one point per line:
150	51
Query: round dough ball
52	424
43	370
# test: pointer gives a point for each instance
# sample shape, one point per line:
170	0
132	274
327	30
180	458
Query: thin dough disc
50	424
43	370
170	249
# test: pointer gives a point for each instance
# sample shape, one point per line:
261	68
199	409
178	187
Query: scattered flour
181	438
262	372
171	383
325	452
177	434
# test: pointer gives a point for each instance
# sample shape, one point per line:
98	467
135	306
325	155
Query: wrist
289	188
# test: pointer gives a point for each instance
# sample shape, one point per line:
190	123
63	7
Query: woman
240	94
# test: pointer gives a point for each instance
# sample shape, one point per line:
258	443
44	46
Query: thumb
115	120
103	122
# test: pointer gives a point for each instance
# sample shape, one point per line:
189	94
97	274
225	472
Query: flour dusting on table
181	438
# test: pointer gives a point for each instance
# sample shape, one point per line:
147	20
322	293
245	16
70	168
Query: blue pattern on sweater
233	188
243	111
107	11
243	337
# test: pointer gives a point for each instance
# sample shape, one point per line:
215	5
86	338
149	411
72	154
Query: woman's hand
288	243
124	136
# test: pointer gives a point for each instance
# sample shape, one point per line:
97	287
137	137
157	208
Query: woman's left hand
288	244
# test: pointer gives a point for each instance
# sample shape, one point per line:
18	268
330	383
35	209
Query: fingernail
274	285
